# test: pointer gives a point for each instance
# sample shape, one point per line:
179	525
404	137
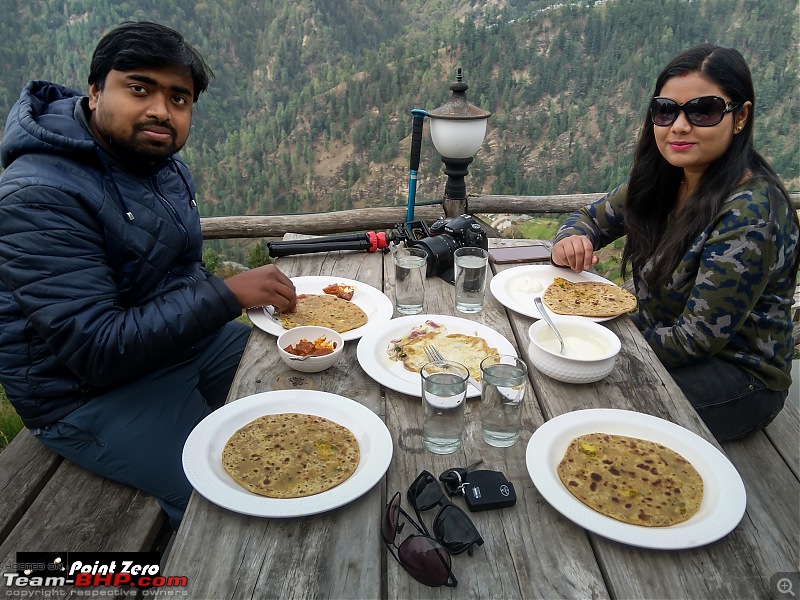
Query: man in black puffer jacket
114	339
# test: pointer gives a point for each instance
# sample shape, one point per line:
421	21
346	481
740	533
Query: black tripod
369	241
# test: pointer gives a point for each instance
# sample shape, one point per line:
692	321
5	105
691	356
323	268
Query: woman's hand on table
263	286
575	252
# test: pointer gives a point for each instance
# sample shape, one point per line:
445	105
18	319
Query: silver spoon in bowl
540	305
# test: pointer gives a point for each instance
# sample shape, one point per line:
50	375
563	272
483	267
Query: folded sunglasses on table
424	557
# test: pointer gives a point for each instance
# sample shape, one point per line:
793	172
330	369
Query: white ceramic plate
515	288
724	498
202	453
372	356
371	300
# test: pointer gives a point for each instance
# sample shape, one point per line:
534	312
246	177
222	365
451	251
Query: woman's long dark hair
652	232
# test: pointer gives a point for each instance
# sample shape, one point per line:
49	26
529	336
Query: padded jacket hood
101	276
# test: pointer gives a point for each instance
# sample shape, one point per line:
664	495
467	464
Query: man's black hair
134	45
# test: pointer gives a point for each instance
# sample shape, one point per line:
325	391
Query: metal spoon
540	305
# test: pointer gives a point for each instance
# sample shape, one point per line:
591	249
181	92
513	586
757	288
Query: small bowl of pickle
310	349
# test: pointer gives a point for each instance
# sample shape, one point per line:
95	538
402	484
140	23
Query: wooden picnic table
530	550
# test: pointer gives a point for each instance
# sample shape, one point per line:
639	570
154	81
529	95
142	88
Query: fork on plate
433	354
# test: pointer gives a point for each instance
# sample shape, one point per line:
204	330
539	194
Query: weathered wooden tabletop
530	550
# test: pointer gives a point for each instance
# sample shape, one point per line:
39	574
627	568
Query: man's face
143	114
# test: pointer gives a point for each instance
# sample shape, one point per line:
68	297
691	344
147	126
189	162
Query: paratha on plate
324	310
632	480
291	455
587	298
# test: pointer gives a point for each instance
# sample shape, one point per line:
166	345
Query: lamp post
457	132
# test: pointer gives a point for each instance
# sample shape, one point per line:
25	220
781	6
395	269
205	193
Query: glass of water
503	380
410	268
444	395
471	265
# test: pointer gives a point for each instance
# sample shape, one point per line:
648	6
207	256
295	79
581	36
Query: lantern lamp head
457	131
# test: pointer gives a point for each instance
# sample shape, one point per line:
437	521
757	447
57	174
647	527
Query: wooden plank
729	566
275	226
227	555
520	557
25	468
784	433
772	522
386	217
77	511
561	203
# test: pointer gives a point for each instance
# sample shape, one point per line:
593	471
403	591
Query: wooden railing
381	218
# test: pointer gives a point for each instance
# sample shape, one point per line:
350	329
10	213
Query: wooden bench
48	504
784	434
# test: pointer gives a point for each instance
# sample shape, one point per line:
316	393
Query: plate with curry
636	479
344	305
393	354
287	453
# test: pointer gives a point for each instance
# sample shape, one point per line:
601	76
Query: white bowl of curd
590	349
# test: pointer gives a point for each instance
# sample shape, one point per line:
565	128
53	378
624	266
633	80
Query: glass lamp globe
457	138
458	127
457	131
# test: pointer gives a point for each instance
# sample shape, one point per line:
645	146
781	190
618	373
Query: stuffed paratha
632	480
324	310
291	455
587	298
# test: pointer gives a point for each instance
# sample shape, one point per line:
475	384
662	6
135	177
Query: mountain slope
309	110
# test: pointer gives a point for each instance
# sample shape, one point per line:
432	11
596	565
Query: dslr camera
441	240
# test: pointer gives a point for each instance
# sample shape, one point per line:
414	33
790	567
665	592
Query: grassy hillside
10	423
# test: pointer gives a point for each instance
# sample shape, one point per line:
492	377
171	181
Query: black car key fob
485	490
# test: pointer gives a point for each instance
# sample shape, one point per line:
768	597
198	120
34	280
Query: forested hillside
309	110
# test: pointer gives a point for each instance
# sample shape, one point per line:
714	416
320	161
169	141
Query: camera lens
440	250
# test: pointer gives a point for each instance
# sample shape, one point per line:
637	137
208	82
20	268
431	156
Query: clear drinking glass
444	395
410	267
503	387
471	265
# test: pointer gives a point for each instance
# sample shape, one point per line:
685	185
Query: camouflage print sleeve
728	294
601	221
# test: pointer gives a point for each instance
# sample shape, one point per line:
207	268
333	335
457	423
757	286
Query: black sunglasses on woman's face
451	526
421	556
705	111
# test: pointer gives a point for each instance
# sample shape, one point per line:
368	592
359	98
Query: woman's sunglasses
451	526
705	111
421	556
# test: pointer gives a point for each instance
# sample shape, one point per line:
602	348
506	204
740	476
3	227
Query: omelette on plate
469	350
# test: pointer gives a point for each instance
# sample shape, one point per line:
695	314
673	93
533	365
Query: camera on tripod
441	240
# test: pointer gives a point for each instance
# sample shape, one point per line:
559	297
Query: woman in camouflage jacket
711	241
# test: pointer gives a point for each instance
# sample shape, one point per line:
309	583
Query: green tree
212	260
258	256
